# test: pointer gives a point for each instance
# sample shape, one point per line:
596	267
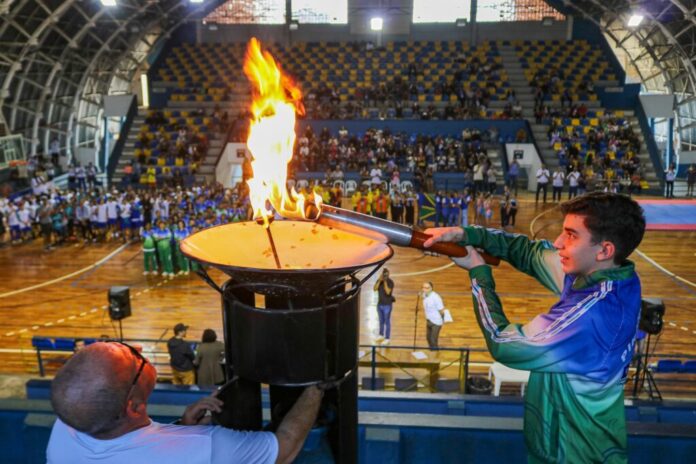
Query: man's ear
607	251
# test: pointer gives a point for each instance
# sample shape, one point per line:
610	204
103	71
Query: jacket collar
623	272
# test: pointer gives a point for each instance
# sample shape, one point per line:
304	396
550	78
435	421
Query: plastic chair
350	187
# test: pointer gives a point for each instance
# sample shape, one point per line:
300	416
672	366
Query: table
506	374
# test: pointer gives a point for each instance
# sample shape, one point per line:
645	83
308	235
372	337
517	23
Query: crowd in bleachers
602	146
393	153
171	146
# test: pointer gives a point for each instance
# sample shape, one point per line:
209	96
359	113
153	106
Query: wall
454	128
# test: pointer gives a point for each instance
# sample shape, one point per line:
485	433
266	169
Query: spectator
100	397
209	356
557	183
181	357
542	177
79	345
690	180
513	174
433	309
670	176
385	301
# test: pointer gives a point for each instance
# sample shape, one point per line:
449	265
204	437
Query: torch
394	233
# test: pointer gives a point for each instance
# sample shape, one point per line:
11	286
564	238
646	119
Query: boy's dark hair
612	217
209	336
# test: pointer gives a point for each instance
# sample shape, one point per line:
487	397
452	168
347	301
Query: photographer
384	288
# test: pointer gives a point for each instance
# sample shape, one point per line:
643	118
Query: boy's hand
470	261
443	234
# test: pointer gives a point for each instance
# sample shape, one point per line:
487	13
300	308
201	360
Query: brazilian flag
426	207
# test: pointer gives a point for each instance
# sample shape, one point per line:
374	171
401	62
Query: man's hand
443	234
470	261
195	413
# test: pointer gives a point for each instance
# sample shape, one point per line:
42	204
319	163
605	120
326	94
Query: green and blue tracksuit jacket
578	352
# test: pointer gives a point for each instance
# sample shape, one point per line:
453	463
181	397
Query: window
320	11
515	10
440	11
248	12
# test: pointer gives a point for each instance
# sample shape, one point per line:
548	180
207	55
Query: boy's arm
537	258
546	344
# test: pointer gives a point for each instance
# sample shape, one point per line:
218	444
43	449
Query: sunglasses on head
138	355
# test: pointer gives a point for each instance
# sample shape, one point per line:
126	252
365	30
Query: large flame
275	100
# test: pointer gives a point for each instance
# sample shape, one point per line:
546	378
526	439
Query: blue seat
43	343
668	365
689	367
65	344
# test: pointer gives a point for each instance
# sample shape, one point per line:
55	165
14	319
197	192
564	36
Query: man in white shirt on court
558	179
573	181
433	308
542	177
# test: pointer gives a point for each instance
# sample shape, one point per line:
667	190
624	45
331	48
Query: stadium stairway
524	92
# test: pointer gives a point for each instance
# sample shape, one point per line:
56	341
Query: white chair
405	185
340	184
302	184
351	186
506	374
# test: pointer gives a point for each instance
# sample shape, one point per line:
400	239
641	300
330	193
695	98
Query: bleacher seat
42	343
668	365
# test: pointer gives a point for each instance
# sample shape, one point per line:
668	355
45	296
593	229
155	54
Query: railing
417	368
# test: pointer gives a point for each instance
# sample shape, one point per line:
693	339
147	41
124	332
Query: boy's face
579	254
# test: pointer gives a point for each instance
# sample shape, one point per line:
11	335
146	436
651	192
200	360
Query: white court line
408	274
67	276
669	273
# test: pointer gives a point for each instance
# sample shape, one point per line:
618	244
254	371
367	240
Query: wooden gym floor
63	293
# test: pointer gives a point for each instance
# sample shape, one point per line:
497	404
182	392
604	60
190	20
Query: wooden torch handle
448	248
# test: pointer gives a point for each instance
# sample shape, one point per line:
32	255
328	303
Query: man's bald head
90	392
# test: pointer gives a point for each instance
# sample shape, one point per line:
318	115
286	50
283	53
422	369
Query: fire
276	100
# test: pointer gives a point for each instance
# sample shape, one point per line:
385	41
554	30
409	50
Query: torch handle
448	248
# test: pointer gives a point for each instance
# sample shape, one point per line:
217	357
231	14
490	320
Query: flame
275	101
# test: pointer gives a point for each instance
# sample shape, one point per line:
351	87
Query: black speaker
119	303
651	312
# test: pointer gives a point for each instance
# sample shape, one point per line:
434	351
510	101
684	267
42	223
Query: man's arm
548	343
537	258
297	423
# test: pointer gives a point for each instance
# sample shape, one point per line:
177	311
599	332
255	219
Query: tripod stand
643	373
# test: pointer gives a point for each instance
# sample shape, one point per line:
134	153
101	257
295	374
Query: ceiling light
196	1
376	24
108	2
635	20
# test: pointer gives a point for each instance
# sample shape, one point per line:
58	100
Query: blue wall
506	128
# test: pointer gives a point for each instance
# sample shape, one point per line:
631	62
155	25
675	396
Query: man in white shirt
558	179
100	397
433	309
376	175
573	182
542	177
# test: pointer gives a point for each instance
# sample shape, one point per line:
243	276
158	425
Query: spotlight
635	20
108	2
376	24
196	1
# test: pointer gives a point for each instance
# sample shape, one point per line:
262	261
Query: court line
409	274
663	269
67	276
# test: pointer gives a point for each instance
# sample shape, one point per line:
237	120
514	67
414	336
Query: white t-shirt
190	444
558	179
101	213
376	175
543	176
432	305
112	209
573	178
